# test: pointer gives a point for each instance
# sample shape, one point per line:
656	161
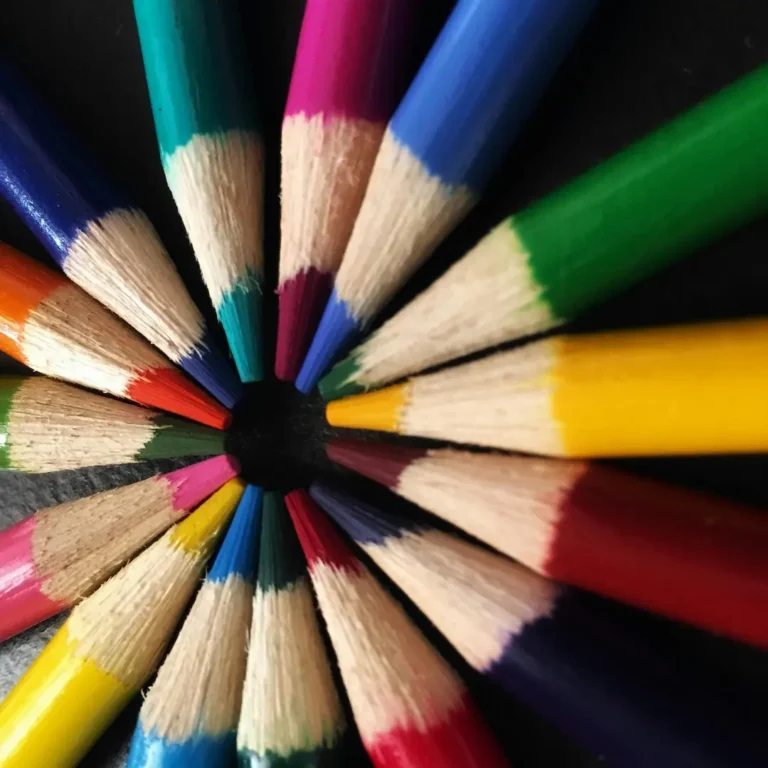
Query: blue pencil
98	237
475	90
189	716
557	649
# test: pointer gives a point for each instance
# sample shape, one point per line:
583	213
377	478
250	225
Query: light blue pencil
189	717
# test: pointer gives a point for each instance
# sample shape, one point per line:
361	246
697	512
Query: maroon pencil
669	550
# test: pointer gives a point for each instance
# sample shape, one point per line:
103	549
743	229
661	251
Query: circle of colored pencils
56	557
701	175
212	154
109	646
670	550
291	715
46	426
347	79
101	241
552	647
189	716
54	327
411	708
688	389
473	93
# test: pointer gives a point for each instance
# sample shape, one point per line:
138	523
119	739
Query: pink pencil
55	558
349	74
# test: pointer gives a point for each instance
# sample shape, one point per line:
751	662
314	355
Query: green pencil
46	426
701	175
291	716
212	154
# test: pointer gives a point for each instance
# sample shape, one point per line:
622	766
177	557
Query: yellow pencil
109	646
680	390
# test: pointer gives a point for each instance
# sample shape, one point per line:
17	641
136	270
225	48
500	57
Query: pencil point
196	482
380	462
379	410
237	555
338	329
208	366
175	437
301	302
240	315
169	390
340	380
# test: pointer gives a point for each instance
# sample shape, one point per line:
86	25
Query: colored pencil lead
692	180
554	648
410	706
51	325
688	389
475	90
669	550
347	79
101	241
47	426
189	715
55	558
212	154
291	715
109	646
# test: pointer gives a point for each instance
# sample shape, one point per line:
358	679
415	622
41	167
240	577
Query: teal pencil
212	154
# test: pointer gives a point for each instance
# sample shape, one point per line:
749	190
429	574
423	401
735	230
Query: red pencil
410	707
665	549
54	327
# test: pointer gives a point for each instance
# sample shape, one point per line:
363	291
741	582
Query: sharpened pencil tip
302	299
380	411
337	331
208	366
340	380
169	390
238	551
240	315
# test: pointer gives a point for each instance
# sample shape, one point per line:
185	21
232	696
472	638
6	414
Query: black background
639	63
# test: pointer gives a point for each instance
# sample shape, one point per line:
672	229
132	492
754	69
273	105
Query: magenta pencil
58	556
348	77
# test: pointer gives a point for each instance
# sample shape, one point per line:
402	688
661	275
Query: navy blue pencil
100	239
551	647
477	87
189	716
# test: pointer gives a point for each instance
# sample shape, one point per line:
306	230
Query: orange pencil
54	327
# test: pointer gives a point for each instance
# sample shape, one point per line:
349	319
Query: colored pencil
469	100
411	708
212	154
98	237
189	716
56	557
54	327
554	648
291	715
670	550
679	390
109	646
47	426
347	79
694	179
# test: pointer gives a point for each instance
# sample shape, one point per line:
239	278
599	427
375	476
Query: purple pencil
349	74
